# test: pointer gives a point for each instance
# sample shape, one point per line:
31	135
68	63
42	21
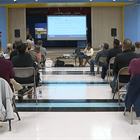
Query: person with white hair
102	53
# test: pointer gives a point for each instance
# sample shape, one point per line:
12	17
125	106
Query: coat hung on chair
133	95
6	94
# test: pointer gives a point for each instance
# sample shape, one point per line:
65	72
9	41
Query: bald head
127	44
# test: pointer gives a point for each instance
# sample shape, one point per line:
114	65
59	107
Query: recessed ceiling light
90	0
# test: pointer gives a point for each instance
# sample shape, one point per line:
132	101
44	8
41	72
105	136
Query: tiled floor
73	125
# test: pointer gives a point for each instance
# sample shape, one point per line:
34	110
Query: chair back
123	71
111	61
23	72
102	60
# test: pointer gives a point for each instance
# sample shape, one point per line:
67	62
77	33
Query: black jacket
123	60
13	53
113	52
23	60
102	53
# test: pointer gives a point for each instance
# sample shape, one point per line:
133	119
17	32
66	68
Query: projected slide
66	28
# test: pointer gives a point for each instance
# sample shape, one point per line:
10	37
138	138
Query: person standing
31	41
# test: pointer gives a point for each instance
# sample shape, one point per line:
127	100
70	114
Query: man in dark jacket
123	60
111	53
102	53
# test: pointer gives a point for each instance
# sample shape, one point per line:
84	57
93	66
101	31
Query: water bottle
40	92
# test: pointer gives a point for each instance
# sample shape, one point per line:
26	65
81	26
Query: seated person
137	47
111	53
23	59
123	60
133	48
102	53
14	52
7	73
34	56
1	50
9	49
6	69
37	50
42	51
134	69
87	53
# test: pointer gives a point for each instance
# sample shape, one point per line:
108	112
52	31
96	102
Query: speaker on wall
17	33
113	32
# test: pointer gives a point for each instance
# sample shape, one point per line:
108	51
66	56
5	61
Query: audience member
102	53
31	41
133	48
32	53
123	60
37	50
14	47
87	53
9	49
111	53
42	51
1	50
133	90
137	47
6	70
23	59
14	52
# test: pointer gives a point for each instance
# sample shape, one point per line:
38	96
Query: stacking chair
24	72
101	60
122	71
109	69
7	103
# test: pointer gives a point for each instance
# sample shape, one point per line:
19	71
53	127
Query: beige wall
102	20
17	20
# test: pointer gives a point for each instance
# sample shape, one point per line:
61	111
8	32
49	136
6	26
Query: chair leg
85	63
131	115
115	90
35	94
98	69
124	111
15	109
88	62
9	125
118	95
118	98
